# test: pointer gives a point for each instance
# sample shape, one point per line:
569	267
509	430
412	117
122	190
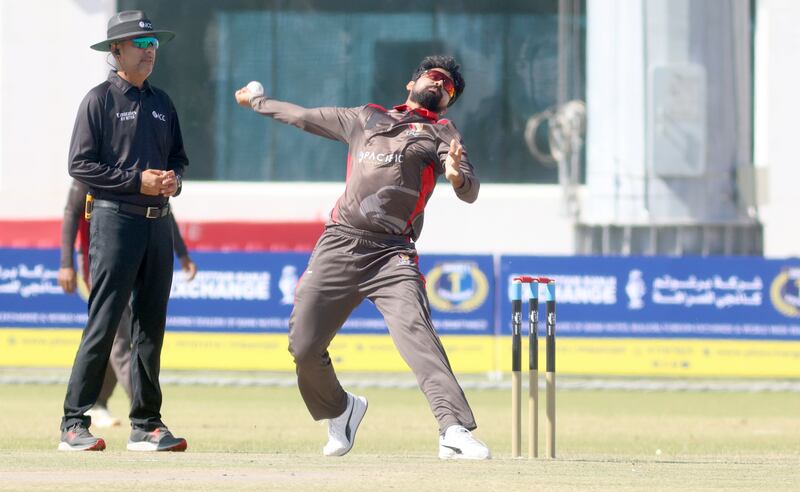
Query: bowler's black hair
445	63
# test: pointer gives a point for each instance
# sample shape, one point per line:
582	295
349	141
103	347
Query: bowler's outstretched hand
243	96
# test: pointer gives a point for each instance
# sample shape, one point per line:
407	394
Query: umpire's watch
179	180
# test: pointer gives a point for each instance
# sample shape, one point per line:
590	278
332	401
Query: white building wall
615	112
522	219
777	108
45	74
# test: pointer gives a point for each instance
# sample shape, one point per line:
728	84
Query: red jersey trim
428	180
377	106
420	111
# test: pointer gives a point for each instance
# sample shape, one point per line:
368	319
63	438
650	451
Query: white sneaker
457	443
101	417
342	429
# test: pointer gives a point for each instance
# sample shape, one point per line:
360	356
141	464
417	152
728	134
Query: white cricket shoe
457	443
342	429
101	417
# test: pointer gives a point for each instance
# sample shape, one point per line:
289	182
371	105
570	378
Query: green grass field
261	438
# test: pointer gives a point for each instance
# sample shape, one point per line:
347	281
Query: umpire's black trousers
128	254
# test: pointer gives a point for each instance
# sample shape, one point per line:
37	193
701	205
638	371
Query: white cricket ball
255	88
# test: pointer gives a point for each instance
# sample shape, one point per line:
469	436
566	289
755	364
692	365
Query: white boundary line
569	384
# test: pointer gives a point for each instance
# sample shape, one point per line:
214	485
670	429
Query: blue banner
254	292
246	292
658	297
30	296
651	297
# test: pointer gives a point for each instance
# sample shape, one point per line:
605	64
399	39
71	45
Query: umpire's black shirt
119	132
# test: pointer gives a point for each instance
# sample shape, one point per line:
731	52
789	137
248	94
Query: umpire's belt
148	212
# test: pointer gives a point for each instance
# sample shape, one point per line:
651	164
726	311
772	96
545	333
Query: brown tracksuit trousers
348	265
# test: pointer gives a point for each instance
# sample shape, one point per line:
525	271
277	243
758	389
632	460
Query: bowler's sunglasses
447	82
144	43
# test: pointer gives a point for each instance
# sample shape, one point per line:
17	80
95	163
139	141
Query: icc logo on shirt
457	287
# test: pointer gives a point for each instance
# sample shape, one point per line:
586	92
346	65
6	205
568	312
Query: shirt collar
420	111
124	85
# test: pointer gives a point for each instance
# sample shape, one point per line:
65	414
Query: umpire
127	148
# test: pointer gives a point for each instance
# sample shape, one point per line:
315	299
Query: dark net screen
316	53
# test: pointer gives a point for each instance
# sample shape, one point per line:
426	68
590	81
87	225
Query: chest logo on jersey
380	157
405	259
414	129
159	116
126	116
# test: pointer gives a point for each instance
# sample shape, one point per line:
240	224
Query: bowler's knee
307	352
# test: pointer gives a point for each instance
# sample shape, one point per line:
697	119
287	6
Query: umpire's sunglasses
144	43
447	82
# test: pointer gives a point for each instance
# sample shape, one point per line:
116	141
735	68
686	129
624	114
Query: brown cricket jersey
393	161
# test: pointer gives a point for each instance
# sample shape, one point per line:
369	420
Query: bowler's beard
427	99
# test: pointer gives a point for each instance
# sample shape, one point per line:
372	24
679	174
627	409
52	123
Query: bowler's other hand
243	96
188	267
152	180
169	183
452	165
67	279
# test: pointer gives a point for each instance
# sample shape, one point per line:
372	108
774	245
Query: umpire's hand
188	267
152	180
156	182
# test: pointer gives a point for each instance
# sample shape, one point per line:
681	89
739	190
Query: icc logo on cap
457	287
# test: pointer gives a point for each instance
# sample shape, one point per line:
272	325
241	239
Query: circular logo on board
785	292
457	287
